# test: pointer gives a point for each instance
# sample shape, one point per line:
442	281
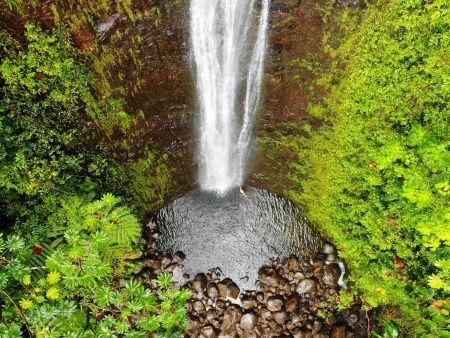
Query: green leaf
103	296
164	280
122	327
150	324
435	282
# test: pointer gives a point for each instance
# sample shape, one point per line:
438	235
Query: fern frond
124	227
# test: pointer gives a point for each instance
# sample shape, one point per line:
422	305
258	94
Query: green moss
374	177
146	181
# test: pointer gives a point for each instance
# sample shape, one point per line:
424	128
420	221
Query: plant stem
20	313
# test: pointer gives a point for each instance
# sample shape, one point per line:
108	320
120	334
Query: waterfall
228	39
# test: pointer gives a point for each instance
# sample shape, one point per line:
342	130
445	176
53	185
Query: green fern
113	228
123	227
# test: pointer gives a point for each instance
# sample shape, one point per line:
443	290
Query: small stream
238	234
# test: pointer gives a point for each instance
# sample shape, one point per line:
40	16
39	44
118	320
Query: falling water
228	44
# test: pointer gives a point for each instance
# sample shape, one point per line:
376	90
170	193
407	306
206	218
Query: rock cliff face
145	48
295	50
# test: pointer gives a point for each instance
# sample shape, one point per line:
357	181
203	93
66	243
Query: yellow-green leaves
26	280
53	277
52	293
26	304
435	282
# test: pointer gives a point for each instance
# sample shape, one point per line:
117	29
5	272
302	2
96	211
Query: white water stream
228	40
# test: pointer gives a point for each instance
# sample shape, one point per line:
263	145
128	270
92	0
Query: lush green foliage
55	136
375	177
80	294
46	149
391	330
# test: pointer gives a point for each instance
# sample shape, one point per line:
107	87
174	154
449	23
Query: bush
377	177
79	288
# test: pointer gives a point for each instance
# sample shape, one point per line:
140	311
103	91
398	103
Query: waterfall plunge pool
238	234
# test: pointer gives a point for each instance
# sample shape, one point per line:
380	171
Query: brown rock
331	274
171	267
179	256
265	314
208	331
227	288
199	282
248	303
152	263
193	326
291	304
211	314
248	321
212	291
274	303
328	249
270	277
316	327
198	307
331	320
231	317
306	286
296	319
303	334
166	260
280	317
293	263
299	276
338	332
332	258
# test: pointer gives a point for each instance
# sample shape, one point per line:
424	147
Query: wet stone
152	263
248	303
306	286
269	276
291	304
179	256
274	303
227	288
338	332
248	321
231	317
331	274
199	282
280	317
212	291
328	249
208	331
198	307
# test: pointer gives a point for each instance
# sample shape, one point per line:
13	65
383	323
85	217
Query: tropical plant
374	176
83	291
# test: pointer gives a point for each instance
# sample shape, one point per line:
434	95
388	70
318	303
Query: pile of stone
288	297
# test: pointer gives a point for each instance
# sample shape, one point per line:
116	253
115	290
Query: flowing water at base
235	233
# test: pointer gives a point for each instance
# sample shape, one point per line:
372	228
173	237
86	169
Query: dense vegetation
375	176
68	245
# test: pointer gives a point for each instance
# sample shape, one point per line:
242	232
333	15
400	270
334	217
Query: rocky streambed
293	296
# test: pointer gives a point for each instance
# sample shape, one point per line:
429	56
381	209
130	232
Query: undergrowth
375	176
